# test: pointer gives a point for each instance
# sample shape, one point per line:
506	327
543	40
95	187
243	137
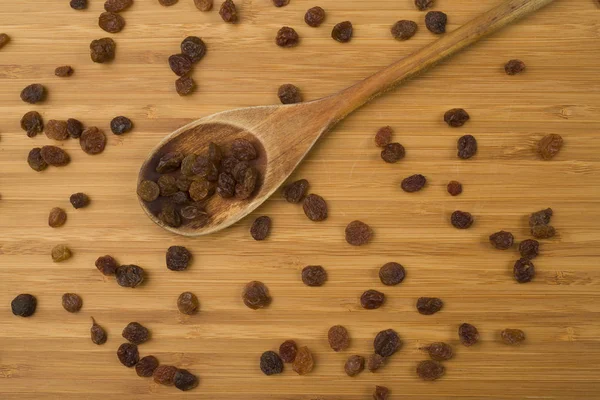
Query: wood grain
50	356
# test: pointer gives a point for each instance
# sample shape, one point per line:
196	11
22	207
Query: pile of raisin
193	50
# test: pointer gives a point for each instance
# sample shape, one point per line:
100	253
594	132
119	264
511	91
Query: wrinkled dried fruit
184	380
180	198
92	140
178	258
146	366
33	93
55	156
289	94
436	21
502	240
129	275
270	363
4	39
413	183
314	275
205	168
79	200
454	188
74	128
167	3
107	265
358	233
383	137
393	152
439	351
165	375
524	270
461	219
338	337
78	4
228	164
372	299
148	190
187	303
245	187
35	159
287	37
314	16
169	162
374	362
404	30
228	12
342	32
512	336
456	117
468	334
167	185
386	343
243	150
57	217
194	48
180	64
194	212
354	365
260	228
256	295
128	354
32	123
200	189
120	125
429	305
391	273
529	248
136	333
381	393
23	305
71	302
423	5
295	191
541	217
60	253
204	5
185	85
63	72
543	231
303	363
430	370
186	164
467	147
514	67
226	185
281	3
102	50
97	333
56	130
550	145
117	5
315	207
287	351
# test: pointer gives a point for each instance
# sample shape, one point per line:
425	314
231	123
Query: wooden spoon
284	134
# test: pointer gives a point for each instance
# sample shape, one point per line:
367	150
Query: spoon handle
355	96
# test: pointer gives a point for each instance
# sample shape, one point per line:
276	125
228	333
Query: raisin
4	39
430	370
429	305
240	170
260	228
243	150
270	363
92	141
180	198
404	29
32	123
423	5
167	185
23	305
372	299
167	3
467	146
214	153
461	219
56	130
314	16
74	128
78	4
117	5
374	362
146	366
148	190
541	217
120	125
63	72
193	212
184	380
204	5
304	362
436	21
295	191
358	233
314	275
502	240
33	93
165	375
128	354
136	333
102	50
129	275
393	152
107	265
200	189
287	351
413	183
391	274
381	393
543	231
205	168
287	37
386	343
79	200
55	156
169	216
35	159
354	365
315	207
524	270
226	185
169	162
514	67
468	334
549	146
454	188
383	137
529	248
281	3
342	32
338	337
186	163
439	351
245	188
289	94
187	303
97	333
194	48
184	85
178	258
57	217
228	164
456	117
228	12
512	336
256	295
60	253
71	302
180	64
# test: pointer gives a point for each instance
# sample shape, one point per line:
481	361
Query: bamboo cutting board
50	355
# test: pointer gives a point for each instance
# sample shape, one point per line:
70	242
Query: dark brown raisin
372	299
423	5
240	170
383	137
56	130
55	156
358	233
180	198
543	231
338	337
35	160
315	207
468	334
78	4
200	189
287	351
63	72
194	48
71	302
467	146
111	22
228	164
281	3
33	93
165	375
167	3
436	21
97	333
245	188
529	248
228	12
270	363
74	128
514	67
413	183
461	219
180	64
393	152
92	140
146	366
374	362
549	146
295	191
117	5
60	253
226	185
502	240
23	305
243	150
524	270
342	32
386	343
185	85
4	39
184	380
187	163
205	168
169	162
304	362
430	370
102	50
178	258
136	333
128	354
129	275
120	125
79	200
439	351
512	336
314	16
456	117
381	393
314	275
187	303
260	228
354	365
167	185
32	123
541	217
148	190
289	94
194	212
204	5
454	188
391	274
57	217
429	305
256	295
287	37
404	29
107	265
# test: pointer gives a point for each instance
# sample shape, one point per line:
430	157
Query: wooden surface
50	356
